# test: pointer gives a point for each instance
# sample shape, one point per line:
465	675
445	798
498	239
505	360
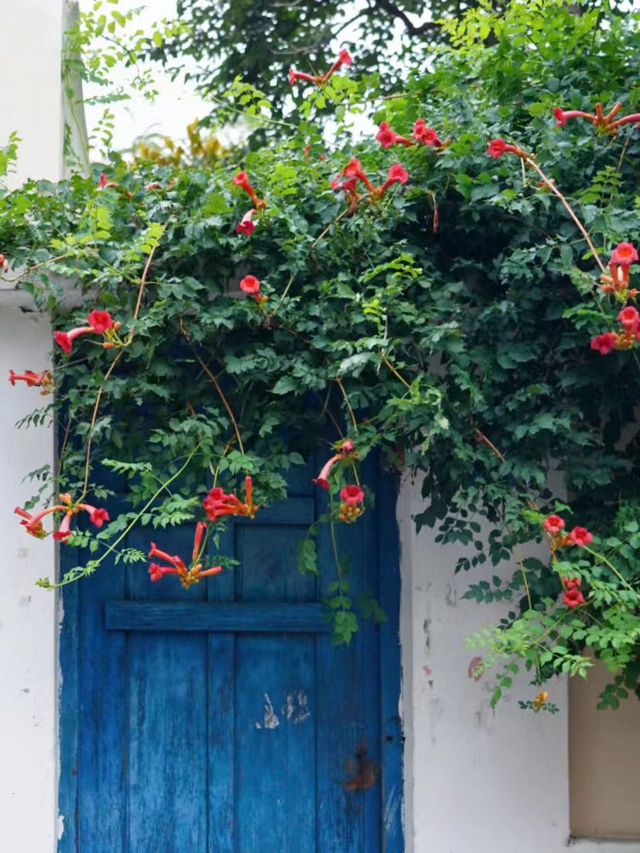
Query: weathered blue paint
222	718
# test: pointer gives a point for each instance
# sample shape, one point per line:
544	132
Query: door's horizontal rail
201	616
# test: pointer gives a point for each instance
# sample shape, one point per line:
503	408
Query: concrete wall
32	106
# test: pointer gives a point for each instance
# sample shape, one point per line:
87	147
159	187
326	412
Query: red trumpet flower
604	343
580	536
320	79
251	285
104	182
598	119
33	523
345	448
397	174
43	380
218	504
426	135
246	225
351	498
571	596
242	180
387	137
620	262
353	169
99	322
188	576
498	147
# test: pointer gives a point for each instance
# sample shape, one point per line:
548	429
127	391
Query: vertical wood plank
275	743
390	668
340	723
167	715
220	715
103	689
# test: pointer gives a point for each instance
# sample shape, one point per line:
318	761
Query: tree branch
395	12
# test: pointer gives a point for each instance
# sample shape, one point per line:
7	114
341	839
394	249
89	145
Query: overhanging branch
395	12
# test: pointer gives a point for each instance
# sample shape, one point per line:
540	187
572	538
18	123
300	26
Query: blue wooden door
222	718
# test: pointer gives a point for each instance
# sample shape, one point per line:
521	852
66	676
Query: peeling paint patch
302	712
295	710
60	826
270	718
393	804
296	707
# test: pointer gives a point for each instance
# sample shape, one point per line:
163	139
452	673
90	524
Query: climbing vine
455	290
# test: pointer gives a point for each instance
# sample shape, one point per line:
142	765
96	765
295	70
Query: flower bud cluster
572	596
422	135
625	339
351	498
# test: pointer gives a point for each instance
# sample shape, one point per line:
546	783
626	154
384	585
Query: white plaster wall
32	89
477	780
32	106
28	625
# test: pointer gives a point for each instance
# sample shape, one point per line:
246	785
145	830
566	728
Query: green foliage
458	345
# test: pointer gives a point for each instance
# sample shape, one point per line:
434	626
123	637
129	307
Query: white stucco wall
32	93
28	625
477	780
32	106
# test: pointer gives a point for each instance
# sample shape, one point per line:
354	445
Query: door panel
222	718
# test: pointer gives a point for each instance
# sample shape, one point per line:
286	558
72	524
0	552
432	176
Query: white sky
176	105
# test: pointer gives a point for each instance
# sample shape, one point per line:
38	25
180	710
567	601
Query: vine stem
338	382
143	281
126	531
549	183
523	572
483	438
334	545
395	372
96	407
212	377
34	267
62	452
286	290
326	230
552	628
609	565
94	417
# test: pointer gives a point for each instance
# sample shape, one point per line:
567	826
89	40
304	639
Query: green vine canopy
455	291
